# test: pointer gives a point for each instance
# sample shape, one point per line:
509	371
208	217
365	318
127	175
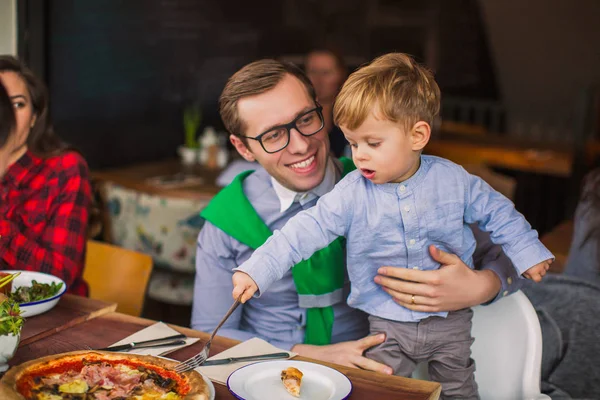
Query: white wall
544	52
8	27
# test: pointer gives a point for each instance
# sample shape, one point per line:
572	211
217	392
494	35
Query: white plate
211	387
41	306
262	381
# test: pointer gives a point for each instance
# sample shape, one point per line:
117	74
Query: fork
199	359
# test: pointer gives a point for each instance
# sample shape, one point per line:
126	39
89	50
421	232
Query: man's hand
349	354
537	272
243	285
452	287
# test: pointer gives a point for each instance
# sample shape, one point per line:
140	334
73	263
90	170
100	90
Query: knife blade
230	360
145	343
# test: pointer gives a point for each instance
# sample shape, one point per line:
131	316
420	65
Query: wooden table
504	154
69	311
102	330
136	177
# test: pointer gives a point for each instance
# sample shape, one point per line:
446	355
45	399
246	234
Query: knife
231	360
166	341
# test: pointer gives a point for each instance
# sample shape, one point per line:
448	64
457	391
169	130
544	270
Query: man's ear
420	134
241	148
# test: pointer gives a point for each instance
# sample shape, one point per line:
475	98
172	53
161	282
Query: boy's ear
420	133
241	148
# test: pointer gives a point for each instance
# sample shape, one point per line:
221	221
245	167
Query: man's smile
304	164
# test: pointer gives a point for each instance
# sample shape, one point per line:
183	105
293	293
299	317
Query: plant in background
192	117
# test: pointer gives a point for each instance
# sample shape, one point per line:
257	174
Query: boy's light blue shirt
393	224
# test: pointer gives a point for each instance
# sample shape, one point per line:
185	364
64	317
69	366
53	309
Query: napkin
252	347
156	331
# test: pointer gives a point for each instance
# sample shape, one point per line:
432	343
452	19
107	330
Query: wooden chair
117	275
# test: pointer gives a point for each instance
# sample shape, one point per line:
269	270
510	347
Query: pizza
292	379
99	375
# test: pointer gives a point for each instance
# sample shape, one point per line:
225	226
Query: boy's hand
537	272
243	285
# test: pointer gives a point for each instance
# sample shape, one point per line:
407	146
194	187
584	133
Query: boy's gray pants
444	342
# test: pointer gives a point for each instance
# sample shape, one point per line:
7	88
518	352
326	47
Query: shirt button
412	242
509	280
505	293
402	188
406	208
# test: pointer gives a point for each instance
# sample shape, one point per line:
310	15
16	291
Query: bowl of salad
36	292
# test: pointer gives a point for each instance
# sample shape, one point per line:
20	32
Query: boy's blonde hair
395	87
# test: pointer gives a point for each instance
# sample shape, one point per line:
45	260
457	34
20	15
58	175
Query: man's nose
298	143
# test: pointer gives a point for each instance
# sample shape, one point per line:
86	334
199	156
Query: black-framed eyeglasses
277	138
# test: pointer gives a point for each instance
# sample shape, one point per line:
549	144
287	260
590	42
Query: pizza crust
8	384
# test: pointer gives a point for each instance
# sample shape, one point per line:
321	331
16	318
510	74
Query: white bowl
8	347
41	306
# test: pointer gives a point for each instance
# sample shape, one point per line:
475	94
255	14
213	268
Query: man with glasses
271	111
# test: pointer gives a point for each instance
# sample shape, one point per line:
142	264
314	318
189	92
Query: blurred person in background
567	303
45	193
584	253
327	71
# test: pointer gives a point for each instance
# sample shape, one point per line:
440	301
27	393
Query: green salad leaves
37	291
10	318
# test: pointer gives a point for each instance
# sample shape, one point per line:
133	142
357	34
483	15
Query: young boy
396	204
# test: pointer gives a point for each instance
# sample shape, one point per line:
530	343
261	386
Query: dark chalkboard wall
121	71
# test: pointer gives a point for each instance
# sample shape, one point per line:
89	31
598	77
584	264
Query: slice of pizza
292	379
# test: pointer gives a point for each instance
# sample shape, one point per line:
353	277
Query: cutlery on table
231	360
166	341
199	359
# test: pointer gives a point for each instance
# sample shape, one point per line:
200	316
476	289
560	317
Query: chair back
507	350
117	275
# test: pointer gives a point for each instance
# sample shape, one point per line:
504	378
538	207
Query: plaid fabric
44	206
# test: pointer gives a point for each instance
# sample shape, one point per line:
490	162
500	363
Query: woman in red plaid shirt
45	193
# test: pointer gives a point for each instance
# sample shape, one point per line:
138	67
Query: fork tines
193	362
190	364
199	358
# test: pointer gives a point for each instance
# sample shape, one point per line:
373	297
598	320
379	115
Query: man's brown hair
253	79
395	87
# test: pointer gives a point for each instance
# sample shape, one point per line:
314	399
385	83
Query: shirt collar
287	197
17	172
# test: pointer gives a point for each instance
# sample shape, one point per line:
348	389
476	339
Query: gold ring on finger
412	299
